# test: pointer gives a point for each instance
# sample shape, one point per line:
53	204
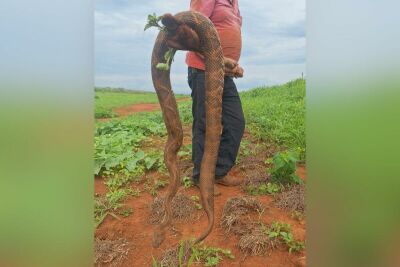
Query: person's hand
232	68
237	72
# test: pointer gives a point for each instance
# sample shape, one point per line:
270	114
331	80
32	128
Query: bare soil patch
138	231
144	107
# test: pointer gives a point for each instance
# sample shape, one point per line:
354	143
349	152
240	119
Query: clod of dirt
236	214
292	199
183	208
256	242
110	252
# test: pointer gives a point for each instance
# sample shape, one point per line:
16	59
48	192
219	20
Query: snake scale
189	31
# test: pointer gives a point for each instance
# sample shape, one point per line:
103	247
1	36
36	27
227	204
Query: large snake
194	32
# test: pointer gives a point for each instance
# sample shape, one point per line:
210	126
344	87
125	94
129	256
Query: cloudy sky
273	51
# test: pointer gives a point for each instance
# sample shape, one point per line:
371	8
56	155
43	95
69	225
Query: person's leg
233	128
196	82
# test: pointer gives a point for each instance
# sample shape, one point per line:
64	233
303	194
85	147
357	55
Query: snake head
179	35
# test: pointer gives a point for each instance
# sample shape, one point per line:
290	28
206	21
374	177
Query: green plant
158	183
107	99
154	262
117	196
119	180
117	146
284	168
134	192
111	204
187	182
245	148
185	150
152	21
168	57
297	215
209	256
196	199
276	114
102	208
126	212
263	189
283	232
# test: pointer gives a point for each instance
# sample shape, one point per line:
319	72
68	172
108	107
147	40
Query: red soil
137	230
134	108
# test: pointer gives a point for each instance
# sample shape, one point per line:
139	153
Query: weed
283	232
245	148
284	168
196	200
185	112
210	256
154	262
117	146
185	151
187	254
106	99
153	21
102	208
117	196
126	212
158	183
263	189
111	204
134	192
187	182
297	215
119	181
277	114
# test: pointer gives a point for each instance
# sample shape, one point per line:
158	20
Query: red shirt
225	16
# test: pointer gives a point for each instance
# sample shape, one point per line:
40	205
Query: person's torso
226	15
227	20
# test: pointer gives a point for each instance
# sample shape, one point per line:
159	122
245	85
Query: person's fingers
236	72
230	63
240	72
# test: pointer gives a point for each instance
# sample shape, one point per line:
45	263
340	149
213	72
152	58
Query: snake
190	31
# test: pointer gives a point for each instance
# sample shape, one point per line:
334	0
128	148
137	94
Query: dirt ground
136	231
127	110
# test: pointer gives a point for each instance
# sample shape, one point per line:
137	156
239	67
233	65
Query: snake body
197	33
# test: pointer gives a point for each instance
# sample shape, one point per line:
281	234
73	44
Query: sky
273	36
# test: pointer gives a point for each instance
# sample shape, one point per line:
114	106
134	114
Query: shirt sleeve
205	7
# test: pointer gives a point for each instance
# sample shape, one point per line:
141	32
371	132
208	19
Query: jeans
233	124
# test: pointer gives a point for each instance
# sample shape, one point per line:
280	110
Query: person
225	16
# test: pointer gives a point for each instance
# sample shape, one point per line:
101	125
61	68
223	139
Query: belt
194	70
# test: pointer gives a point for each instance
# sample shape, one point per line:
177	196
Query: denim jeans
232	124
